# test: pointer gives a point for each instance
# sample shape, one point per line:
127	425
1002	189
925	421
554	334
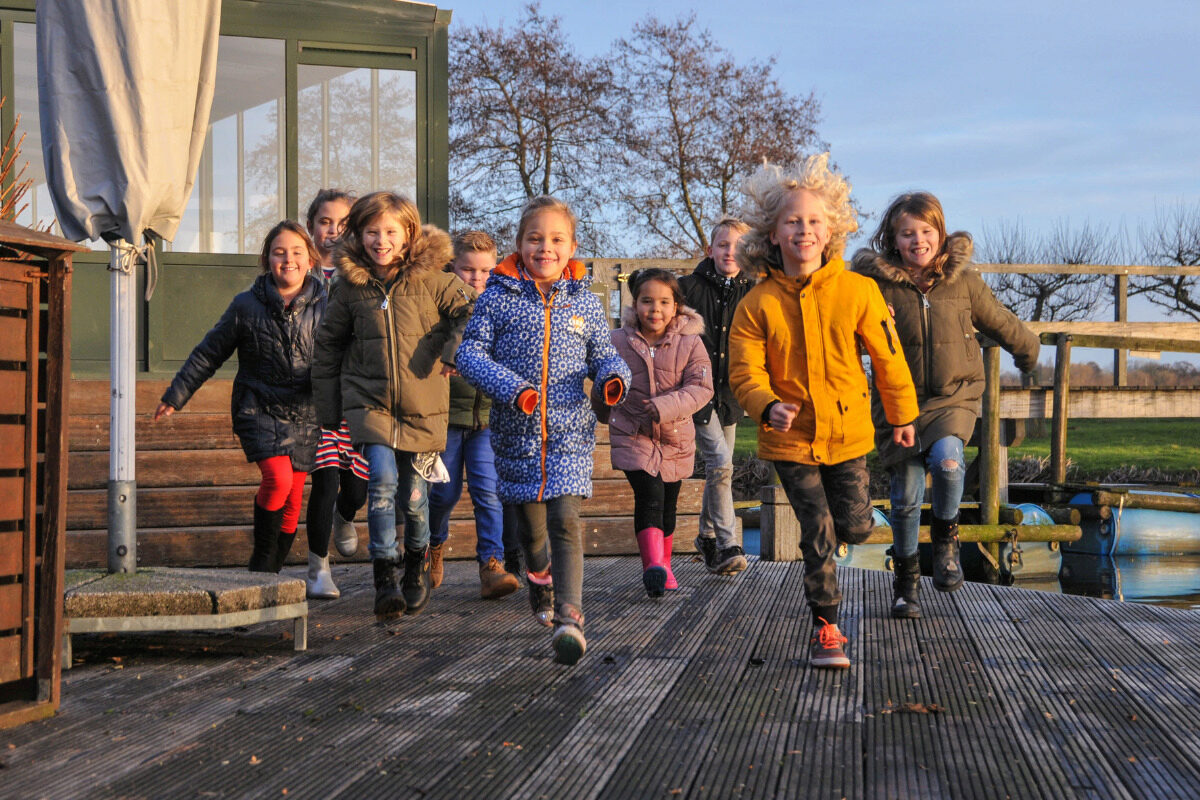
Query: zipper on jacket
392	380
547	305
927	342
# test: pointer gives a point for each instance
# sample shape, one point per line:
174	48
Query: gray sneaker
345	537
707	547
731	561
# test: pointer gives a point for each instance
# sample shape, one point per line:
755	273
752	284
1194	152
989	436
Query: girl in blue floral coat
536	333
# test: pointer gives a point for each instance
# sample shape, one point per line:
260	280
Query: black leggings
324	496
653	501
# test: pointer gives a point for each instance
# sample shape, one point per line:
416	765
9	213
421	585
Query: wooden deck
997	692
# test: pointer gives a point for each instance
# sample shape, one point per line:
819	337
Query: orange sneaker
825	649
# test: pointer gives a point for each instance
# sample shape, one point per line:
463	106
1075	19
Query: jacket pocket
970	344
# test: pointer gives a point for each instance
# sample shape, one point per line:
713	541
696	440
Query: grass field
1095	447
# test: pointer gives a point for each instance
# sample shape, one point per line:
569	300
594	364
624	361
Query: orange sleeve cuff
613	389
527	400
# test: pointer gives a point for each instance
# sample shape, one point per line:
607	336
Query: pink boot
667	543
654	576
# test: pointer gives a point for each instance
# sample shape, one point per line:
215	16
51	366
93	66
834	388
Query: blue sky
1037	110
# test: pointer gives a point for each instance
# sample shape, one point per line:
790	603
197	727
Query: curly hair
768	191
919	205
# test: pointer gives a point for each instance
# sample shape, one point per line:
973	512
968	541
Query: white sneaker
430	467
345	537
318	584
569	644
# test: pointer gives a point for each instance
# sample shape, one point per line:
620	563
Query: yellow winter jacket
800	341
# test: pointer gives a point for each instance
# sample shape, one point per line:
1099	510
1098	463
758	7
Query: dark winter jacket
715	298
272	403
469	407
380	350
676	377
937	332
519	338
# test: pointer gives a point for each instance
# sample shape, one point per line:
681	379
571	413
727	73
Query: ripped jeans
394	482
944	461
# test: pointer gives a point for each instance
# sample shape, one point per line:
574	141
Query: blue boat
1138	531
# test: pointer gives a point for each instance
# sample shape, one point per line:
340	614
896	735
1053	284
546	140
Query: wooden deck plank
705	693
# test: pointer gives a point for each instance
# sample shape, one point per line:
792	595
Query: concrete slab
160	591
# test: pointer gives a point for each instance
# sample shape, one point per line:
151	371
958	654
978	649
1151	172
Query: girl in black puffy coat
271	326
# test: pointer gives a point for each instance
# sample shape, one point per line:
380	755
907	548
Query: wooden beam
1102	402
1160	502
1062	387
989	445
992	534
1085	269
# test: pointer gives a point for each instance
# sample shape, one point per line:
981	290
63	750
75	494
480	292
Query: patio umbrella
124	89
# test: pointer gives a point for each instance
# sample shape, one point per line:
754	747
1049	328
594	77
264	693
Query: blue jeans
944	460
394	482
472	449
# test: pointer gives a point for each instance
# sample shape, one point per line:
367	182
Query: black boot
947	570
389	601
266	537
283	545
416	580
905	587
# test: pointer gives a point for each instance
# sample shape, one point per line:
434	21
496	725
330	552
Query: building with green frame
310	93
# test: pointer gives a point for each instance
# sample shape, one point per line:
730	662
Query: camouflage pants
832	503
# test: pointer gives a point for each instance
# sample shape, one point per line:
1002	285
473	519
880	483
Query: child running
339	476
796	367
938	301
469	447
271	326
536	334
383	353
651	434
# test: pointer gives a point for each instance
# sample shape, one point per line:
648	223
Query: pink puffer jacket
676	377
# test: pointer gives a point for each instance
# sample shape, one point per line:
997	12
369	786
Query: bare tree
1049	296
528	116
1172	240
694	123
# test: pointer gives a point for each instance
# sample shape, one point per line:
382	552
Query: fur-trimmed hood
686	321
959	249
430	252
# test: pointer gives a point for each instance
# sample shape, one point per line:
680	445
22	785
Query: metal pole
122	488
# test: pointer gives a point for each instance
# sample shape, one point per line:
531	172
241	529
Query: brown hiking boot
494	582
436	572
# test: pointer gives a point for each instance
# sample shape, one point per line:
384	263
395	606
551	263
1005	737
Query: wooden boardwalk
997	692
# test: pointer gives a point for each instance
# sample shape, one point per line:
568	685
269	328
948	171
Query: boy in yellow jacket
796	366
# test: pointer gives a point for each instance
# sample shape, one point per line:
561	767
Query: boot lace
829	636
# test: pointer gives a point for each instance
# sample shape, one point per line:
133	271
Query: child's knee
856	533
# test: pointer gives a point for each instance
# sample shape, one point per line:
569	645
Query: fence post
1062	386
989	440
779	530
1120	314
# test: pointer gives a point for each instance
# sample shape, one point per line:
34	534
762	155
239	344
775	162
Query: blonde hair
369	207
919	205
726	223
537	205
769	190
473	242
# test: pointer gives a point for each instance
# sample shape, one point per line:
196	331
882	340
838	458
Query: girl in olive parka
938	302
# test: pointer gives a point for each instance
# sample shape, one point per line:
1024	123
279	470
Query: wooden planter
35	361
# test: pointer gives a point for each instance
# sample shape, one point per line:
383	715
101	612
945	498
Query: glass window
358	130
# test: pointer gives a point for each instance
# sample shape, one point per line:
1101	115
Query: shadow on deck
706	693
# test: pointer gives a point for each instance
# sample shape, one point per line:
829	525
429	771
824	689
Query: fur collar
959	249
687	321
429	253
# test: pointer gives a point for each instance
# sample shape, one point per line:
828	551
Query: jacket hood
267	292
429	253
512	272
708	269
687	321
959	249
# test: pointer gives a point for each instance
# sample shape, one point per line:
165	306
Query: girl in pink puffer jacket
651	433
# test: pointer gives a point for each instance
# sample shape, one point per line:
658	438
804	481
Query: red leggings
281	487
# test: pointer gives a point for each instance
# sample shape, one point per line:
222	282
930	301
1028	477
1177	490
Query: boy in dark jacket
714	290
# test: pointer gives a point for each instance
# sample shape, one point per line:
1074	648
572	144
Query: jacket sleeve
695	386
603	361
990	317
475	360
748	375
454	301
333	337
877	331
205	359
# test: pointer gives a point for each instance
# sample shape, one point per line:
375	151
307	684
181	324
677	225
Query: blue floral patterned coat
521	338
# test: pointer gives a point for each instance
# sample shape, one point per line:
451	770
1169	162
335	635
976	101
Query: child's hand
782	415
650	409
163	410
905	436
448	371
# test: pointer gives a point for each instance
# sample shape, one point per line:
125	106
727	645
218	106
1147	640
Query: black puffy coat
715	299
272	402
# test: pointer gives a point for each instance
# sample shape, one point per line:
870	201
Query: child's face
474	267
723	251
328	225
917	241
547	245
801	231
655	307
289	261
383	238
